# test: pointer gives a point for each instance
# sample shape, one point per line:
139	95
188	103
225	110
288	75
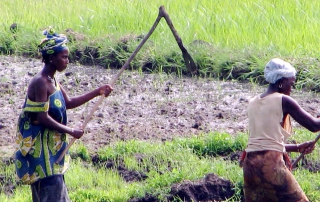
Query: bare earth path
154	107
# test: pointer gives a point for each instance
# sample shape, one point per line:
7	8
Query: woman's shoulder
38	79
288	99
37	85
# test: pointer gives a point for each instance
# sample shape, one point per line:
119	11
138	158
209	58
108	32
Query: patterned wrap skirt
267	178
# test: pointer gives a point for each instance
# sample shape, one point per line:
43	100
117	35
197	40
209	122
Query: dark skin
41	87
292	108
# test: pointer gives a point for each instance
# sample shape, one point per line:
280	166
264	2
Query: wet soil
152	107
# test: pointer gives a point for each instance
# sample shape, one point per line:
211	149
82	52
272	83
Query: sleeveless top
37	147
265	130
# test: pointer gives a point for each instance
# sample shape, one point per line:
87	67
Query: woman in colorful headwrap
42	126
266	166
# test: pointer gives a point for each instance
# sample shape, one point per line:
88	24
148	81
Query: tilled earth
153	107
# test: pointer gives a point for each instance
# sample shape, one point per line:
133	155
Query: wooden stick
302	154
112	82
190	64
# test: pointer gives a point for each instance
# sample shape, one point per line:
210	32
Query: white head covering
277	69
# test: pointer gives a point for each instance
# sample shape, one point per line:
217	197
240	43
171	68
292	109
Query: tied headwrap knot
53	43
277	69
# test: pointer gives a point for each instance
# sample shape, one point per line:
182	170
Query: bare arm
290	106
306	147
80	100
292	147
47	121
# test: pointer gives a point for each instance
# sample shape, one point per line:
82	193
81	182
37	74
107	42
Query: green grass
289	27
165	163
237	38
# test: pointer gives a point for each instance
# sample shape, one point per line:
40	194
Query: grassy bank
162	164
227	39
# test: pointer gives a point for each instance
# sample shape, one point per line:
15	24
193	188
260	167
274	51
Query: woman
266	176
42	126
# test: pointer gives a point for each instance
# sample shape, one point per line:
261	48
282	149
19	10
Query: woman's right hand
77	133
106	90
307	147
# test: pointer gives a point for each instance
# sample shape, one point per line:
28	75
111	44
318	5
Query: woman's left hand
306	147
106	90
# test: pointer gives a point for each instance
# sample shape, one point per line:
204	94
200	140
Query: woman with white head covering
266	166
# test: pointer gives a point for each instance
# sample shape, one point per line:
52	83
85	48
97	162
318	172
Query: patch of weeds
7	43
214	143
7	176
79	150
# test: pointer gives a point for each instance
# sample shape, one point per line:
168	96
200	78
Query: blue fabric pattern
38	147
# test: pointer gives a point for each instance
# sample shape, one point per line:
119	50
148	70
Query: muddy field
142	106
153	107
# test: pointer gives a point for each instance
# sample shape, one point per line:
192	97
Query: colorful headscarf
277	69
53	43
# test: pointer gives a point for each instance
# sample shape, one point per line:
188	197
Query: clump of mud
210	188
